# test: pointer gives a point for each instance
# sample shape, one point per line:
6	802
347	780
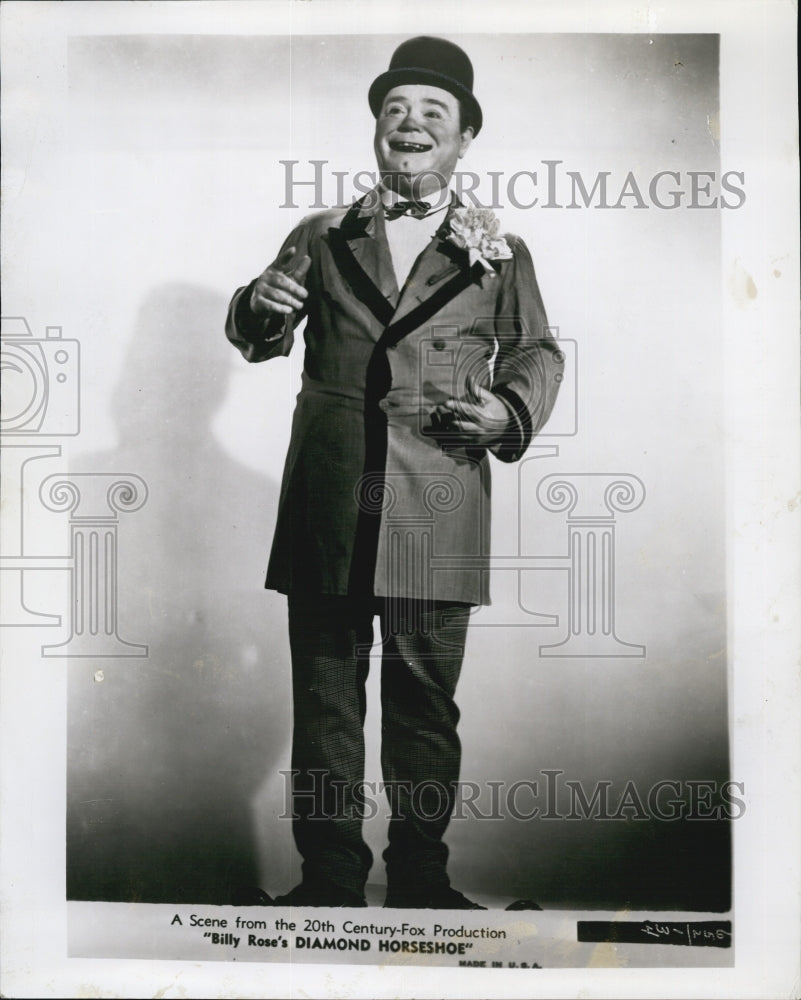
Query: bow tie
417	209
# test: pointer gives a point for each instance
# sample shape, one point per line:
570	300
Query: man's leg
330	638
420	749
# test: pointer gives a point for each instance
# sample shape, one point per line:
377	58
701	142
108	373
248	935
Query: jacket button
383	404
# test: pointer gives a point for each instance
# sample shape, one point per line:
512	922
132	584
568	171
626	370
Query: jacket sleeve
260	338
528	366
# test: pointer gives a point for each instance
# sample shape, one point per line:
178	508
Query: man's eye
433	114
394	109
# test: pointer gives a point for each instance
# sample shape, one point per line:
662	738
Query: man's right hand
279	289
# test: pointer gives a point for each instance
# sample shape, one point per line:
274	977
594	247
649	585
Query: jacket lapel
440	273
439	262
371	250
360	249
361	252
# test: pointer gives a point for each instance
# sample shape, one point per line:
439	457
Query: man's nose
410	123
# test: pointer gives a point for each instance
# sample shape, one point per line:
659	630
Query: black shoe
320	894
441	897
249	895
524	904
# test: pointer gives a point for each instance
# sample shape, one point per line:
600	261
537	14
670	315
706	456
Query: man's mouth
408	147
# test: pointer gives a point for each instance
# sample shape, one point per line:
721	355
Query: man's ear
467	138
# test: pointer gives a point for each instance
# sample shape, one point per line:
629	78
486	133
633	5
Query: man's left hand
478	420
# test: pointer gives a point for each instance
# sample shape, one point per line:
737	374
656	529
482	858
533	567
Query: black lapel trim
360	282
353	223
513	448
354	226
364	288
419	315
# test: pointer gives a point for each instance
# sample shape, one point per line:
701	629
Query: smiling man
426	350
419	138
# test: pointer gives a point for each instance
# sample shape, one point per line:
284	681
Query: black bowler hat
434	61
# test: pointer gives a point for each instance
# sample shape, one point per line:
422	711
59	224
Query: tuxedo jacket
375	499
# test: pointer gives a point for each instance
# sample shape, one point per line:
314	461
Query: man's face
418	139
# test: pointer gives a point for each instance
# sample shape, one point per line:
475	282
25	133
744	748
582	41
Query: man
426	348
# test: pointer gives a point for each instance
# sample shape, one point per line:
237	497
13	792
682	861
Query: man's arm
527	370
262	316
529	365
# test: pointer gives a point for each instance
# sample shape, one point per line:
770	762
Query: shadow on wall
166	753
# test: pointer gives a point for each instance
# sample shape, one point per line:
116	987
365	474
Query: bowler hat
434	61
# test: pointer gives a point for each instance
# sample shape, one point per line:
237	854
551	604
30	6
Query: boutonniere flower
476	230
